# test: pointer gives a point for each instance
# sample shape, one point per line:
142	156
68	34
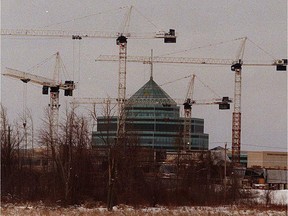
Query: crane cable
150	21
126	23
205	85
185	77
220	43
24	105
83	17
41	63
73	65
63	69
25	115
269	54
201	47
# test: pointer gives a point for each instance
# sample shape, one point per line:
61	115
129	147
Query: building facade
268	159
153	117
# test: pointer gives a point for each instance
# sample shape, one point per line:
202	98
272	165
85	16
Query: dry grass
40	209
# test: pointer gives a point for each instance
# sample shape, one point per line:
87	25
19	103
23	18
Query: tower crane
223	103
187	112
236	65
121	41
68	87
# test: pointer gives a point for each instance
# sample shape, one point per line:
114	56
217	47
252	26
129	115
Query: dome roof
151	93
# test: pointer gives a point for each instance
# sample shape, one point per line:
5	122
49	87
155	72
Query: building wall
268	159
155	126
255	159
277	176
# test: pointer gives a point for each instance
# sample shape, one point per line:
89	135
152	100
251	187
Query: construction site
138	135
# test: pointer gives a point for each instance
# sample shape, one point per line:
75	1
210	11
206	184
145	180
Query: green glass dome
151	93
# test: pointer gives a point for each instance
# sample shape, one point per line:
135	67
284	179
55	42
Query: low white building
277	179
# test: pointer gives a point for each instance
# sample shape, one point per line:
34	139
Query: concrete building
154	118
271	168
277	179
267	159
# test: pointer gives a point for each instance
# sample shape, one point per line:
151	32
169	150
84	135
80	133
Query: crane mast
54	98
236	116
187	114
122	43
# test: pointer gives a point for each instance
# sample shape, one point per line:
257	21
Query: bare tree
125	178
107	113
68	151
10	137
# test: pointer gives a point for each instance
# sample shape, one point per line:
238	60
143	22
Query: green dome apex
151	93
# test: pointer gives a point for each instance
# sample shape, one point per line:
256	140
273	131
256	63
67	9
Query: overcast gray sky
205	29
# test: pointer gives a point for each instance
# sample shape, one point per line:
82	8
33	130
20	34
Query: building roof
218	148
151	93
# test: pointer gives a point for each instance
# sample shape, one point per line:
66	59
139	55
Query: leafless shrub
75	173
10	138
68	150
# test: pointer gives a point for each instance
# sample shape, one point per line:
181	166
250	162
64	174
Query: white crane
53	84
236	65
121	41
223	103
